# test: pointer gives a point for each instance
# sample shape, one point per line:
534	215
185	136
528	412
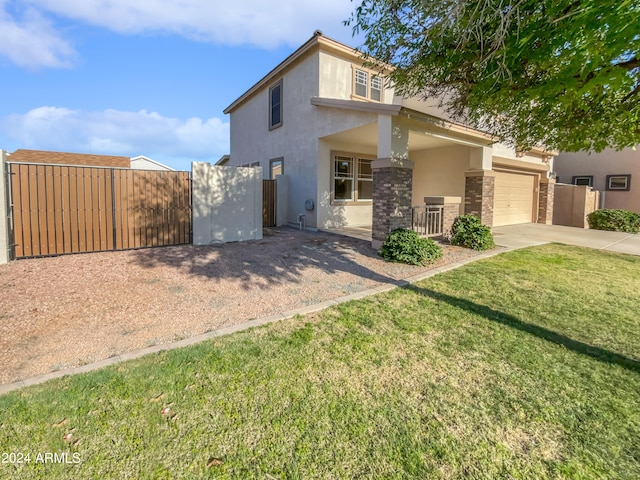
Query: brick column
478	195
545	200
392	184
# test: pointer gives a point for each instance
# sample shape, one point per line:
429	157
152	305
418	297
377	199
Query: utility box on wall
226	203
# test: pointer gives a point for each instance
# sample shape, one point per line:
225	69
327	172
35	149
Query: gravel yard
61	312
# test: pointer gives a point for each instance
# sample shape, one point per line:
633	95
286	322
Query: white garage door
514	198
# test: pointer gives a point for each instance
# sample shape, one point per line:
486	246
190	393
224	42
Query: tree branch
630	64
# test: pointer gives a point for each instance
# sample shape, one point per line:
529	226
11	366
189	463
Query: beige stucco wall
439	172
336	77
501	150
338	215
295	141
608	162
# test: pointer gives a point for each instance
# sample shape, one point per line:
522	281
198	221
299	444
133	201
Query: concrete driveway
529	234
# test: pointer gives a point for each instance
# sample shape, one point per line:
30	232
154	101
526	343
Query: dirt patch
61	312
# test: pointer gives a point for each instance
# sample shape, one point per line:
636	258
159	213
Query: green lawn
523	366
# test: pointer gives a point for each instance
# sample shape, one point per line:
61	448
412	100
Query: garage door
514	198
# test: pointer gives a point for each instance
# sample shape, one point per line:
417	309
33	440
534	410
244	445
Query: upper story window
275	106
367	85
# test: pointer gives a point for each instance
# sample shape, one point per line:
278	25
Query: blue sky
143	77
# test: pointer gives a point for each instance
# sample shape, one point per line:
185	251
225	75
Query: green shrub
468	231
614	220
406	246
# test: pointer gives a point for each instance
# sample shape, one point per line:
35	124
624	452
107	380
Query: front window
365	179
343	178
352	178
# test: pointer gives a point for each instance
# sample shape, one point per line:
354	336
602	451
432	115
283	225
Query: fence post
5	248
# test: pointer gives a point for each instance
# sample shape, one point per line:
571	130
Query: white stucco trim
392	162
356	105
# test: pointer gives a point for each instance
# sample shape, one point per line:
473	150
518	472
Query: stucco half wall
226	203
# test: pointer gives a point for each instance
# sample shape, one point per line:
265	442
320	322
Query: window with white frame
618	182
376	88
365	179
343	177
362	83
367	85
352	178
583	180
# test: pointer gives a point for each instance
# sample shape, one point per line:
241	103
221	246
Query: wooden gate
69	209
268	203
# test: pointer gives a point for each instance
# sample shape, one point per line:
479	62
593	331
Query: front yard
525	365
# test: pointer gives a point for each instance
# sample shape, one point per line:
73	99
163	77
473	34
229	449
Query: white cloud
242	22
114	132
31	41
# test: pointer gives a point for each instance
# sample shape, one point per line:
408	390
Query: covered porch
405	169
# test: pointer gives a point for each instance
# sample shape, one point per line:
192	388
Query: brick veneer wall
391	200
449	214
478	197
545	202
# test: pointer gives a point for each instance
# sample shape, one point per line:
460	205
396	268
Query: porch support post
545	201
479	194
481	158
392	180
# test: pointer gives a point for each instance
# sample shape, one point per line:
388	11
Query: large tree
559	73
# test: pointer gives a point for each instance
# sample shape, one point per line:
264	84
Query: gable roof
223	160
317	41
144	158
67	158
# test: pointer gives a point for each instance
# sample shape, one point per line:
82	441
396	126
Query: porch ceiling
367	135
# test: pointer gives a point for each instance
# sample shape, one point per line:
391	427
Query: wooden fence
71	209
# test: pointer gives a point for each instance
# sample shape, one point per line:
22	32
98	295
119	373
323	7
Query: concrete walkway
529	234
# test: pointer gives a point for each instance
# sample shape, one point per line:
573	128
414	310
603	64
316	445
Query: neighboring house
328	122
616	174
66	158
145	163
222	161
86	159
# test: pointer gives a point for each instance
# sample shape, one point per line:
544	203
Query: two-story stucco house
365	156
